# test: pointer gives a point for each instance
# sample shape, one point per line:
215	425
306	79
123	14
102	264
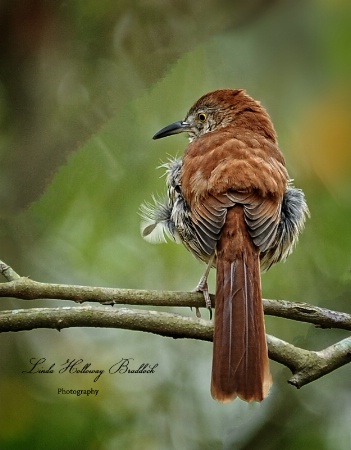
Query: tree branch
8	273
161	323
26	289
306	366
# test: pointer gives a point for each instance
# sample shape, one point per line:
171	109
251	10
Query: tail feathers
240	365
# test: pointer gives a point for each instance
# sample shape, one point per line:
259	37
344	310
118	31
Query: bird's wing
262	216
208	217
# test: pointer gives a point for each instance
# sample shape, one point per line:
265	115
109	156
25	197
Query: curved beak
173	128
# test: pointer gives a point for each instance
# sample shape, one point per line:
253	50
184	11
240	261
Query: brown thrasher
231	203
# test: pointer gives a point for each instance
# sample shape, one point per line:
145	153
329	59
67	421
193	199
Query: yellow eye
202	117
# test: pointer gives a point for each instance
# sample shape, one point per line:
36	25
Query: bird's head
220	109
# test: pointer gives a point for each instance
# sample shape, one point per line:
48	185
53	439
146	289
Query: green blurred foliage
83	87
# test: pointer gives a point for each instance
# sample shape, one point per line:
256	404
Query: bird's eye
202	117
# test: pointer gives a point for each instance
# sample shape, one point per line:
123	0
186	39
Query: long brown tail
240	366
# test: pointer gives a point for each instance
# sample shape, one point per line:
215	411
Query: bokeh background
83	87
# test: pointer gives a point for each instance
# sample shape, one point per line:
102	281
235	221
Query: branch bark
26	289
306	366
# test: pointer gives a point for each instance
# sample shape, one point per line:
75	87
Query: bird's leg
202	286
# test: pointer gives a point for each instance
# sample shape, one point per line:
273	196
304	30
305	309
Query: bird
230	201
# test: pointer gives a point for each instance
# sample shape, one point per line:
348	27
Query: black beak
173	128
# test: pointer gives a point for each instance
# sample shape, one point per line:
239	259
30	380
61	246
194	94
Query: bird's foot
203	287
